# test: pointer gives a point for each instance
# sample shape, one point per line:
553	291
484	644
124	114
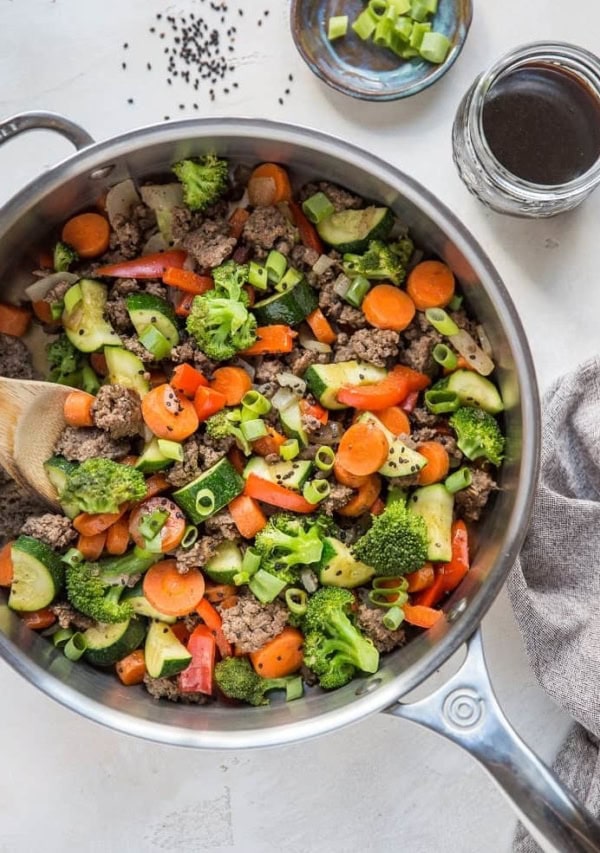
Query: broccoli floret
64	256
478	434
237	679
64	361
95	588
396	542
334	648
225	424
229	279
378	262
287	541
204	179
403	249
221	327
101	485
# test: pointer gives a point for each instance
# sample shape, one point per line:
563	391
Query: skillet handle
465	710
23	122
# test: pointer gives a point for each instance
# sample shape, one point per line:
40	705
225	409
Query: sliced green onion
318	206
296	600
276	265
401	6
289	449
435	47
75	646
459	480
255	402
56	309
265	587
294	689
155	342
257	276
73	557
72	298
359	287
251	561
403	30
337	27
393	618
378	8
205	503
406	52
62	636
170	449
385	28
89	380
150	525
364	26
190	535
324	458
419	10
445	357
441	321
254	429
289	280
417	34
456	302
440	401
316	491
380	593
432	6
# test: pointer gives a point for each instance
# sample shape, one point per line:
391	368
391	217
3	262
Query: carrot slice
363	449
387	307
237	220
171	593
183	303
276	495
77	409
117	537
247	515
91	546
281	656
430	284
215	593
188	281
438	462
156	484
88	234
395	419
43	311
6	564
320	327
186	379
169	414
173	529
14	320
421	616
232	382
421	579
38	620
354	481
272	339
309	235
315	411
90	524
132	669
268	443
364	499
269	184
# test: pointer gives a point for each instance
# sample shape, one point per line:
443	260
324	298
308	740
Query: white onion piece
120	199
245	365
485	342
42	286
290	380
464	344
154	243
341	285
283	398
322	264
309	580
309	343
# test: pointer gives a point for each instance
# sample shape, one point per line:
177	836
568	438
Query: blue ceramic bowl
362	69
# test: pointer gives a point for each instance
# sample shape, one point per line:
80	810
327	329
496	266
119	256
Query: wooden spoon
31	422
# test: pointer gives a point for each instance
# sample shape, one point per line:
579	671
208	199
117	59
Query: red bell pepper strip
276	495
378	395
213	621
272	340
187	280
416	381
148	266
422	617
207	402
187	379
309	236
198	677
448	575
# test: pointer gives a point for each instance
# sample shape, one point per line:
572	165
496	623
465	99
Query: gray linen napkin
555	585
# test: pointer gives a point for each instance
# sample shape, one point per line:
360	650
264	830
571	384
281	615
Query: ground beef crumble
223	525
68	617
374	346
118	411
298	361
198	555
15	360
250	624
168	688
78	444
53	529
264	227
370	622
338	497
340	198
210	244
470	502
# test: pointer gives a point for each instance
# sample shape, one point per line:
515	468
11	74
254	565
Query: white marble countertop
382	784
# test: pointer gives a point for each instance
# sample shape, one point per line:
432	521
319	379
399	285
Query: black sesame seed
123	65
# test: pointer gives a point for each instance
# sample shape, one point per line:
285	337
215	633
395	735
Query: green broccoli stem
114	569
350	642
292	684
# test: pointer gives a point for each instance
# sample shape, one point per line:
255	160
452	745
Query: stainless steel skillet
464	709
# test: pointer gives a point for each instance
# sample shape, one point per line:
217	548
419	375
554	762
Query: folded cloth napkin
555	585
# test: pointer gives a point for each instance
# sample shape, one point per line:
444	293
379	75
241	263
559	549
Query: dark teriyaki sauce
542	123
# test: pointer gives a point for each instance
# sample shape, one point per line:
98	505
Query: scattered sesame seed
129	100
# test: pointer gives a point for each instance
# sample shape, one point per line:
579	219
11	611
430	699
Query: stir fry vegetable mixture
281	426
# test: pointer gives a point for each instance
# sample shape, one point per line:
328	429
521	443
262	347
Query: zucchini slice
83	318
292	475
152	458
325	380
351	230
221	480
125	368
163	653
290	307
340	568
435	504
38	575
107	644
148	310
475	390
225	564
141	606
402	460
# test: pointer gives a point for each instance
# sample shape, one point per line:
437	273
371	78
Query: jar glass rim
579	61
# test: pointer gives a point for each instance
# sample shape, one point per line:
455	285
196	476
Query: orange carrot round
117	537
14	320
363	449
354	481
232	382
171	593
43	311
430	285
88	234
169	414
387	307
421	579
132	669
395	419
269	184
215	593
438	463
39	620
281	656
364	499
90	524
91	546
320	327
6	565
77	409
172	531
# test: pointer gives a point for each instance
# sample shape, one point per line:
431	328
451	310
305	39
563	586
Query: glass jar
483	174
